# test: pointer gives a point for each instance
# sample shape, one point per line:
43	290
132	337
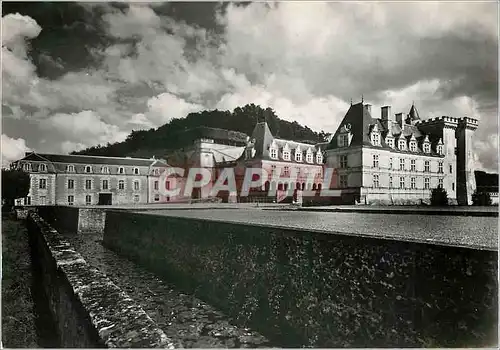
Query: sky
76	75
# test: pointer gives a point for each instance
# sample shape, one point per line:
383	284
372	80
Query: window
136	171
427	166
42	184
376	139
413	183
427	147
88	169
157	197
319	158
401	164
298	157
402	144
309	157
27	167
440	149
121	170
451	169
413	146
453	186
136	198
390	142
71	184
70	168
343	181
440	167
343	140
156	185
375	160
274	153
42	167
71	200
375	181
42	200
390	181
413	165
440	185
286	171
88	199
286	155
157	172
105	170
343	161
88	184
401	182
167	185
136	185
390	163
427	183
105	184
121	185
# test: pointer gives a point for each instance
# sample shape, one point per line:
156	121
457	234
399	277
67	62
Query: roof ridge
86	155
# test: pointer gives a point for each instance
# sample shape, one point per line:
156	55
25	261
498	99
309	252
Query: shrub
481	198
439	197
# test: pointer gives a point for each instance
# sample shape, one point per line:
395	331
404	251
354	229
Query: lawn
18	319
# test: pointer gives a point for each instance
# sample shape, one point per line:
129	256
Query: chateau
392	159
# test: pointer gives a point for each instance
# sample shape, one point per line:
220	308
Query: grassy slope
18	320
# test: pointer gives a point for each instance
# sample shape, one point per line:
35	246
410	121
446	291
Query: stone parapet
88	310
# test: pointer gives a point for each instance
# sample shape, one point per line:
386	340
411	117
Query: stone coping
118	320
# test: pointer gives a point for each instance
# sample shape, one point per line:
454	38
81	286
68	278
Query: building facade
399	158
89	180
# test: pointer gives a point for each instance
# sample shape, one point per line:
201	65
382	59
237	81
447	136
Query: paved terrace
473	232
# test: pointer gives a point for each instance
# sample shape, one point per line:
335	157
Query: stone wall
74	219
88	310
321	289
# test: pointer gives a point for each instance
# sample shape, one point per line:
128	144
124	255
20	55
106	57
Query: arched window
297	186
303	186
42	167
280	187
88	169
314	187
319	187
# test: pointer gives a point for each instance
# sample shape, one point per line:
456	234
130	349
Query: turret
466	183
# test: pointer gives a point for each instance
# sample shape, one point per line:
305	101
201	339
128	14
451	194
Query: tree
439	197
481	198
15	184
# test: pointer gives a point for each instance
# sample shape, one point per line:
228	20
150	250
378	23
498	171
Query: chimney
400	119
385	113
368	108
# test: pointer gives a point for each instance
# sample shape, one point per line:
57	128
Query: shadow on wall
321	290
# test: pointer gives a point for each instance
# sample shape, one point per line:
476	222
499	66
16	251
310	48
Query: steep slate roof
80	159
262	139
361	121
413	115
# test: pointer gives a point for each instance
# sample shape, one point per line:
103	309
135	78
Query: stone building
90	180
399	158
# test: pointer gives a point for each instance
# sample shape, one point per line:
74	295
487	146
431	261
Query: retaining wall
321	289
87	309
74	219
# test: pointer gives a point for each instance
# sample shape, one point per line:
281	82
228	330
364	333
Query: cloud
12	149
152	68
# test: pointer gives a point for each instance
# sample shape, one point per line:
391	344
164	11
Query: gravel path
188	321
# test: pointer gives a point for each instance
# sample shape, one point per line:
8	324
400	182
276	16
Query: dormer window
402	144
136	171
390	142
319	157
440	149
27	167
298	156
375	139
427	147
70	168
286	155
105	170
42	167
273	153
413	146
309	156
343	140
121	170
156	172
88	169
